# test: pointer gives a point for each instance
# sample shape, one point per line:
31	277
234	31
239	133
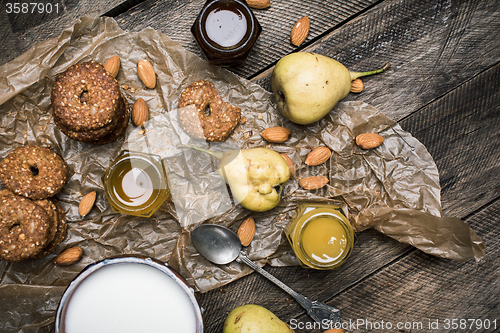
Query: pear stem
217	155
355	75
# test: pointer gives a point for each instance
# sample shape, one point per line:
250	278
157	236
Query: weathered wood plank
462	133
174	19
433	47
19	32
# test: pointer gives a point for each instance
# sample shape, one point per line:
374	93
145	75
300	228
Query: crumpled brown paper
394	188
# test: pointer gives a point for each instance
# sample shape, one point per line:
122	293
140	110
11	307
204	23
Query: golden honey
226	31
321	236
135	184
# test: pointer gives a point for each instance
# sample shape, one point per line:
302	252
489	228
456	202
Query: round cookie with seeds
105	134
61	230
51	211
33	172
49	208
23	228
211	118
88	104
85	97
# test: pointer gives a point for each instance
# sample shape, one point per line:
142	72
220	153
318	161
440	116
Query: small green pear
252	318
308	85
253	175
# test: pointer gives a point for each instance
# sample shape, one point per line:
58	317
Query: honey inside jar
135	184
226	26
320	235
324	239
226	31
132	183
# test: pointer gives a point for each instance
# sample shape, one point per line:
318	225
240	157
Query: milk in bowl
128	295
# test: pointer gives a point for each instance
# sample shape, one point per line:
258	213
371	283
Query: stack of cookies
32	222
88	104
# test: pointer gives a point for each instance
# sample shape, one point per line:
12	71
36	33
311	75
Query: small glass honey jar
226	31
136	184
321	236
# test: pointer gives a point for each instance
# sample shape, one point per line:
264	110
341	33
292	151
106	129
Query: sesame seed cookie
33	172
85	97
105	134
51	211
88	104
61	230
222	119
23	228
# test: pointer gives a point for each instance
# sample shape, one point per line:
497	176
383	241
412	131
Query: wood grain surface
174	18
443	87
19	32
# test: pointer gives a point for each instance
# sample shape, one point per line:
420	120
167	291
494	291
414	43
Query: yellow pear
252	318
308	85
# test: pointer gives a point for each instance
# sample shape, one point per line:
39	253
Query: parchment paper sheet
394	188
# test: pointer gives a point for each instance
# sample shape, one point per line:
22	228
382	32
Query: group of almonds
146	72
73	254
140	114
318	155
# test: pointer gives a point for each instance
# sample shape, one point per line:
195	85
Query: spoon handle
243	257
318	311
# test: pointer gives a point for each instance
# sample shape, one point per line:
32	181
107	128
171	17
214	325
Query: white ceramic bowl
128	294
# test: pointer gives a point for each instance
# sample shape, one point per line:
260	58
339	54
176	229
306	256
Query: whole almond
246	231
318	156
313	182
87	203
140	112
259	4
275	134
290	164
146	73
357	86
369	140
112	65
300	31
69	256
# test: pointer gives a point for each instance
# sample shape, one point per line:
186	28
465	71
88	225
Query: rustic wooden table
443	87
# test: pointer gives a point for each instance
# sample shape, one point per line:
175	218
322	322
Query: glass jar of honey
226	31
321	236
136	184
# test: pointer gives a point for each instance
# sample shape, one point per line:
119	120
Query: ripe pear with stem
308	85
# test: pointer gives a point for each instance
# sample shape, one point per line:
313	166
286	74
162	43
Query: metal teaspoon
221	245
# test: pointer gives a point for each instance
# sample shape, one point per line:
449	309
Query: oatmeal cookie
105	134
215	126
33	172
61	230
23	228
88	104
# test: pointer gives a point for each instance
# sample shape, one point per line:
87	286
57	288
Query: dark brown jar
226	31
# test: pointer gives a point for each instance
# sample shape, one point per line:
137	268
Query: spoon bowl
221	245
216	244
